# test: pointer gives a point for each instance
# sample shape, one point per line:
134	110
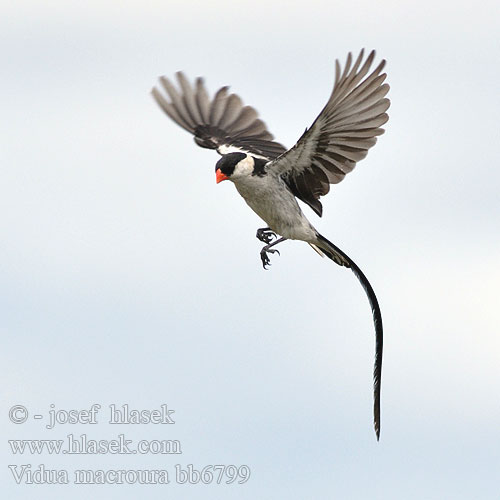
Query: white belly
276	206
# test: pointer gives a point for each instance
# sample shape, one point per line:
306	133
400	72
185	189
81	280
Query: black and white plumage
270	178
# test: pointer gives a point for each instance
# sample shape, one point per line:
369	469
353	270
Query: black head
227	163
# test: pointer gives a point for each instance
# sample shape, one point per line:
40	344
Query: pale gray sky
129	276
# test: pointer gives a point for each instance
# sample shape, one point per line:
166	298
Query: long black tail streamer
377	321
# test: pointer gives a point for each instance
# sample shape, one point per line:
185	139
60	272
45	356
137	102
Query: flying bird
271	178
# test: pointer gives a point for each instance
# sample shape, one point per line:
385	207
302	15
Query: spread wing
340	136
222	123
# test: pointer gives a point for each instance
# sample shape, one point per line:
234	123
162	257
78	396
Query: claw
265	258
266	235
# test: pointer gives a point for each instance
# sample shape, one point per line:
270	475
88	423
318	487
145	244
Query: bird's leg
263	253
265	235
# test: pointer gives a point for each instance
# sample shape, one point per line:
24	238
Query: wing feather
364	125
256	129
247	116
233	109
202	100
218	106
189	99
222	123
170	110
353	134
341	135
176	101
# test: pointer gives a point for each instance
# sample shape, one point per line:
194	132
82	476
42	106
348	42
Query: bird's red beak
219	176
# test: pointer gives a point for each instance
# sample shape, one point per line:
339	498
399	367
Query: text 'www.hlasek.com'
72	445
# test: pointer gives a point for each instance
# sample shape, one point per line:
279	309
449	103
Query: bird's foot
265	258
265	235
